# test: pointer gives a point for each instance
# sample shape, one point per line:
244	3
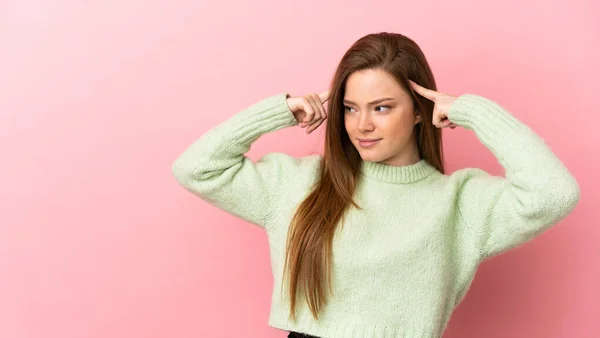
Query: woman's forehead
368	85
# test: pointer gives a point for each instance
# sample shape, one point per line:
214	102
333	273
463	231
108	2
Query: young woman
372	238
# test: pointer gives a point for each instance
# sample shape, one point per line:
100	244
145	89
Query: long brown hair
311	232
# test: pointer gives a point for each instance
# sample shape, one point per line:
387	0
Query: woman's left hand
441	107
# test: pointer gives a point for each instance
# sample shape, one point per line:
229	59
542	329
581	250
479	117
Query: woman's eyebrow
372	102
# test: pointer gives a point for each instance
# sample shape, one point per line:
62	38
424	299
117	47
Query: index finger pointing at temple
427	93
324	96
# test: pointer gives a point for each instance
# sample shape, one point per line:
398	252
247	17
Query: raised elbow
572	194
181	171
561	200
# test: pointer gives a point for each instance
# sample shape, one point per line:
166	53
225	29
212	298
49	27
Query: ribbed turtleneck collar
397	174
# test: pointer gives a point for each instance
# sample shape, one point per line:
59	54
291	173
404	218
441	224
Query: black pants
294	334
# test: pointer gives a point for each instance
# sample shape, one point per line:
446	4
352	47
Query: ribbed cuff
267	115
492	124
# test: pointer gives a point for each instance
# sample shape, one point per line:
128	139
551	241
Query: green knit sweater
403	264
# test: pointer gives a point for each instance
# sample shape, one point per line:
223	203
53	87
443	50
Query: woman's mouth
365	143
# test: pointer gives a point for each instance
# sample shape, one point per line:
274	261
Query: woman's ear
417	117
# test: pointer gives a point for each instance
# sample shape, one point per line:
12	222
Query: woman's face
390	121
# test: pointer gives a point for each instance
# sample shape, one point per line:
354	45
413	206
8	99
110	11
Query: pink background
98	98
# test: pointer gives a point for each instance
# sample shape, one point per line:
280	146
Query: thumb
324	96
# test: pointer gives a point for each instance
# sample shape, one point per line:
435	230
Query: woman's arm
215	168
537	192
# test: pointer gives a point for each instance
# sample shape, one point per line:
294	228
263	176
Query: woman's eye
346	108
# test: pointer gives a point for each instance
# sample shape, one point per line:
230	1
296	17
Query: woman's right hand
309	110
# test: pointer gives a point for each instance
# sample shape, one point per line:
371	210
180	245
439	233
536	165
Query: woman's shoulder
309	166
287	159
474	181
467	173
293	165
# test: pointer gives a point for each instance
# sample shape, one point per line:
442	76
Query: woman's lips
368	143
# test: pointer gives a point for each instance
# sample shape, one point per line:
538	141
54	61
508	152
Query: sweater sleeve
215	168
537	191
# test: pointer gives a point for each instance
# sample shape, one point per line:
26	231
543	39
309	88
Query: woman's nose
365	123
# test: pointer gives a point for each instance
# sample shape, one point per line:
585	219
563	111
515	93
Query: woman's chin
370	157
